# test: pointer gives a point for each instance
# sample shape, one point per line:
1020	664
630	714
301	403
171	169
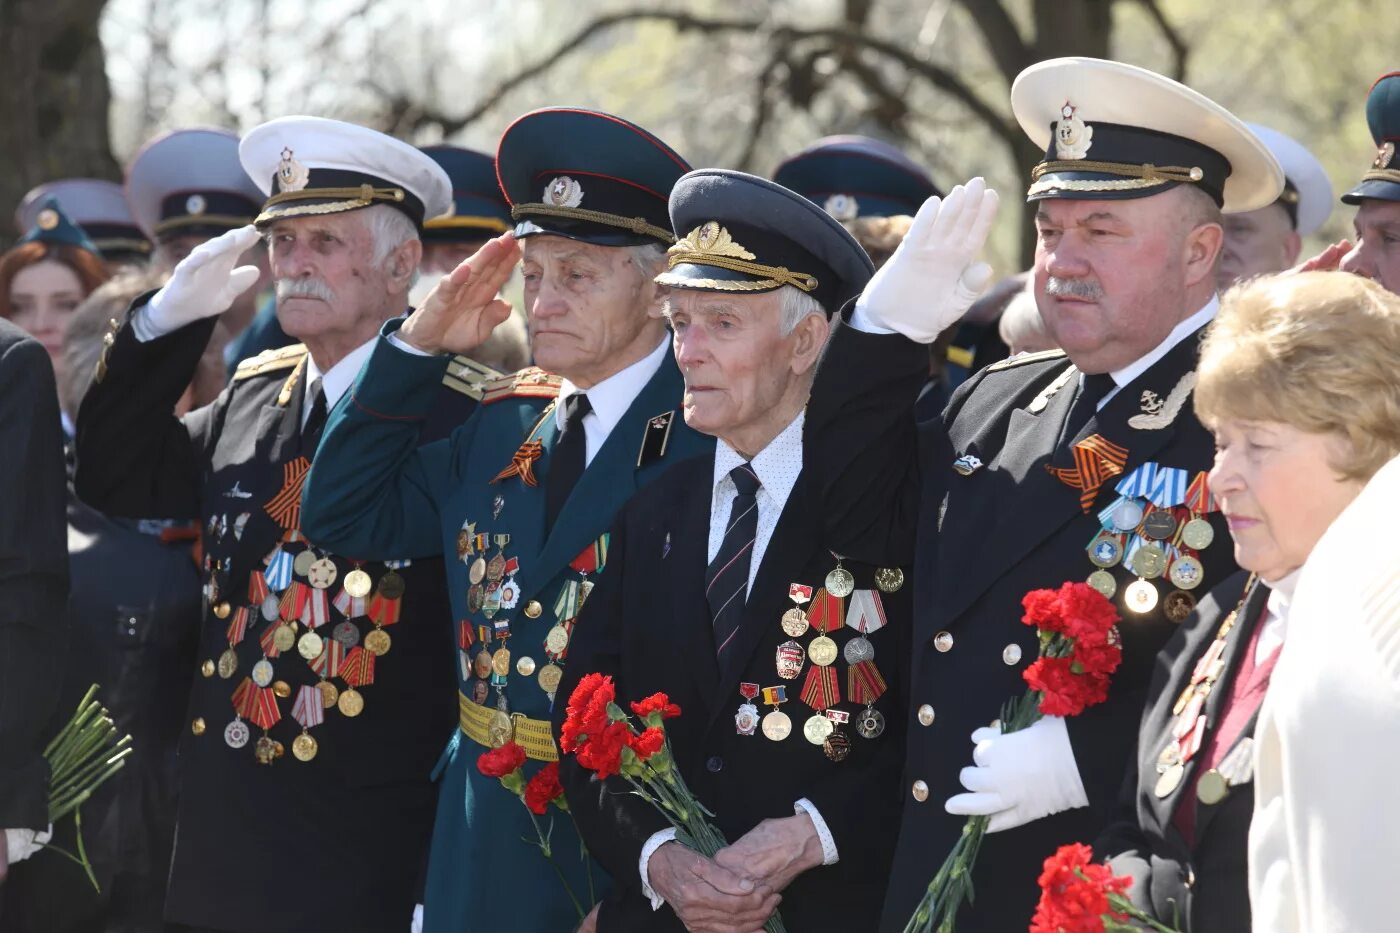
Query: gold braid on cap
1131	176
1383	174
362	196
711	245
637	225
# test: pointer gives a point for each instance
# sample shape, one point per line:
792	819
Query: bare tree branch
1180	51
763	107
1009	51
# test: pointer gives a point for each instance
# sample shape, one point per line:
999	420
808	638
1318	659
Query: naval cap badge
291	174
1384	154
1073	136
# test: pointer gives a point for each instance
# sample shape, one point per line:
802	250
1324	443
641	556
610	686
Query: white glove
1020	776
417	925
934	276
204	284
23	843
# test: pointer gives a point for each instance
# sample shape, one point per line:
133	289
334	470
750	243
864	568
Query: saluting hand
1329	260
204	284
460	313
934	276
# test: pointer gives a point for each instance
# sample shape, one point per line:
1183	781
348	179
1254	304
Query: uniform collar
611	398
1180	332
777	465
337	380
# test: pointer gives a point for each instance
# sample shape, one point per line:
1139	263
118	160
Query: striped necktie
727	580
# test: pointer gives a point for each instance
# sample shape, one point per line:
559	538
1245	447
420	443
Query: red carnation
503	761
1042	610
603	751
1063	692
1075	895
587	711
1097	659
648	743
656	703
1088	616
544	788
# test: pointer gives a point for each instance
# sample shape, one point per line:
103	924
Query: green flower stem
547	851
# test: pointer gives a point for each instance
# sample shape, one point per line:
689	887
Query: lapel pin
967	464
666	547
1157	412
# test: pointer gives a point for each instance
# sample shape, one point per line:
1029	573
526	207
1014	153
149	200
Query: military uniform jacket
1002	530
339	841
1201	888
373	491
649	626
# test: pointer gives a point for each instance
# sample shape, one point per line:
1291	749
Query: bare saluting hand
460	313
1329	260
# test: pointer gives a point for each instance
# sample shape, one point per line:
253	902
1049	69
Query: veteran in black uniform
756	586
1049	468
312	726
1377	195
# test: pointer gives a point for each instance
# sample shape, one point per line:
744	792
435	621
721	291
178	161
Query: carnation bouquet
1077	897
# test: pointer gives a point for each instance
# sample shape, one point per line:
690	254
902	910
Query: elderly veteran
309	738
766	567
1376	196
1085	463
521	496
1296	382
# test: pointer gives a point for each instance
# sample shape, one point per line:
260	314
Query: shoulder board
1025	358
270	361
469	377
528	383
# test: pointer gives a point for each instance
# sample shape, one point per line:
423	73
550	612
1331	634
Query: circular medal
746	719
499	729
1170	780
207	668
1159	526
790	658
1106	552
823	651
304	747
322	574
481	664
350	703
262	673
236	734
347	634
858	649
550	676
795	622
282	689
837	746
533	609
377	642
391	585
1149	562
840	583
889	579
267	750
476	598
477	572
817	728
556	639
1212	788
283	637
310	645
1011	654
228	664
1178	606
1171	755
271	608
777	726
329	693
480	692
222	610
1197	534
871	724
496	568
1127	515
358	584
1140	596
525	666
500	662
301	565
1187	573
1104	582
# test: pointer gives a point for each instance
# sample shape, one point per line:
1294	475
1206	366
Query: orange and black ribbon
285	507
1096	460
821	690
864	683
522	464
358	668
825	612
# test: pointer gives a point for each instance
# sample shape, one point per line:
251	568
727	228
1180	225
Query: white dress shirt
610	398
1275	624
777	466
337	380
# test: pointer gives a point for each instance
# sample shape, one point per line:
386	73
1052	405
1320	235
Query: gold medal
377	642
499	730
329	693
477	572
556	639
840	583
550	676
1212	788
391	585
207	668
222	611
358	584
822	652
304	747
817	729
889	579
481	664
310	645
1103	582
777	726
795	622
500	662
1140	596
1197	534
1149	562
301	565
525	666
284	637
533	609
351	704
1187	573
1170	780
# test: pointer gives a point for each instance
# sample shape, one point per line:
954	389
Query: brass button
222	610
533	609
197	727
282	689
525	666
1011	654
925	715
920	791
207	668
943	641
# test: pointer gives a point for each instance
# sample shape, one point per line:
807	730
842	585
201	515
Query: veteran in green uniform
520	498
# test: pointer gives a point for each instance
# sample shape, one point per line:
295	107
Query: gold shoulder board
528	383
1025	358
469	377
270	361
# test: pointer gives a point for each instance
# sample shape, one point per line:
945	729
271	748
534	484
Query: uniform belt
493	728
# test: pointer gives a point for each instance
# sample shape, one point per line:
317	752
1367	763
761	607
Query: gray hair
796	305
647	258
389	228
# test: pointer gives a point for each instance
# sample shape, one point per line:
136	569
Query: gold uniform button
197	727
925	715
920	791
207	668
533	609
943	641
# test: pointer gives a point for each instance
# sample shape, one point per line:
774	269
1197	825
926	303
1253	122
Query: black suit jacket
1204	887
33	573
648	625
356	819
994	535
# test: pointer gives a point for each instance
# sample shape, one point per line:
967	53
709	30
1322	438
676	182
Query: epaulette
469	377
528	383
270	361
1025	358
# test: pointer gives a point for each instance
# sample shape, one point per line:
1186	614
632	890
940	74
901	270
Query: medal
790	658
839	582
307	710
481	664
476	598
1140	596
496	568
525	666
1187	573
1159	525
1126	515
350	703
500	662
1149	561
858	649
746	719
284	637
1106	550
1169	780
533	609
262	673
358	584
322	573
222	610
556	640
776	725
391	585
477	572
550	676
822	651
1103	582
267	750
1197	534
794	621
310	645
301	565
207	668
271	608
817	729
347	634
304	747
837	746
228	664
236	734
871	723
329	693
1212	788
377	642
1178	606
889	579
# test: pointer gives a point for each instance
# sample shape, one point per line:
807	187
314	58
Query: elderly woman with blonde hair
1297	380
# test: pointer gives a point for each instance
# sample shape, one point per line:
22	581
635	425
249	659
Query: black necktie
315	422
727	580
567	459
1095	387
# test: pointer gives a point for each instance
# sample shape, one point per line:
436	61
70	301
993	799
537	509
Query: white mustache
1073	288
304	288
